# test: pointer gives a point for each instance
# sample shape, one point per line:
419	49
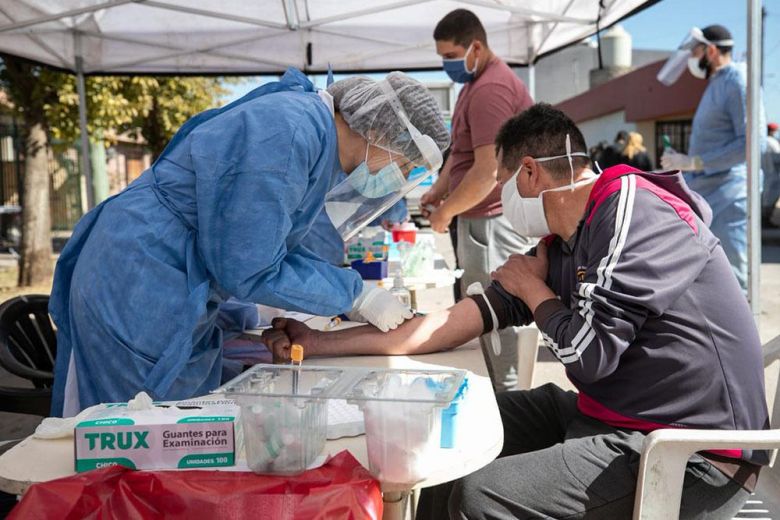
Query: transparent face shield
397	160
678	62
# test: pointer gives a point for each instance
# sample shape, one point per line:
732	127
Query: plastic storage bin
284	432
402	413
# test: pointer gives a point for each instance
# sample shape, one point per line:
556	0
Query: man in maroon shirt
467	187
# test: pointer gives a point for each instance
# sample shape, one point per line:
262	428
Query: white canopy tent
267	36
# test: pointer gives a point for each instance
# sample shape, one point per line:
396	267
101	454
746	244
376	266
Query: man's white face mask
526	214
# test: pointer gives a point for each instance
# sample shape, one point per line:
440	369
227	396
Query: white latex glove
672	160
379	308
59	427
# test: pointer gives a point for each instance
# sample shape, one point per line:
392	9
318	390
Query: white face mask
695	70
526	215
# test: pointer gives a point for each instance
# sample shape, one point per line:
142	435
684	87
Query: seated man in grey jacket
635	296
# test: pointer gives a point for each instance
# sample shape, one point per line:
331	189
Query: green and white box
185	434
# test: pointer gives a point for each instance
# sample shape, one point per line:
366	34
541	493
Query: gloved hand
379	308
672	160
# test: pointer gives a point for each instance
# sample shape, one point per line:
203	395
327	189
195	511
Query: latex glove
379	308
672	160
60	427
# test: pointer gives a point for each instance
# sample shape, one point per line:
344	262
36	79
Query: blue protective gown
718	137
221	213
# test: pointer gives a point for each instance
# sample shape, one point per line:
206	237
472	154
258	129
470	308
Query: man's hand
430	199
524	277
440	219
284	333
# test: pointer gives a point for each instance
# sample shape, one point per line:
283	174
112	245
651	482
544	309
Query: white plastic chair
527	350
666	452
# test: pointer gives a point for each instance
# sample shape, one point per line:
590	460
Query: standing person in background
612	153
467	186
770	164
635	154
596	152
715	166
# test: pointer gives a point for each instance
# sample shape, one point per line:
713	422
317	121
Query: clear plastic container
284	432
401	292
402	411
401	439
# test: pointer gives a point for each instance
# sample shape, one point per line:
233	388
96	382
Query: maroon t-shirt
483	105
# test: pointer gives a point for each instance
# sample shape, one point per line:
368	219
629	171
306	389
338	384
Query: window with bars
678	133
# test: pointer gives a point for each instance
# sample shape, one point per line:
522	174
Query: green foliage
165	103
30	89
152	107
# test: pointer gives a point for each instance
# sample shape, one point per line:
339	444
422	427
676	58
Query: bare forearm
442	330
470	192
442	185
477	184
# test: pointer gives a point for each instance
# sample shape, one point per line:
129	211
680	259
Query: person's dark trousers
557	463
7	503
454	238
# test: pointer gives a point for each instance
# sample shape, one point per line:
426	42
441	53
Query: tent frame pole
754	156
86	166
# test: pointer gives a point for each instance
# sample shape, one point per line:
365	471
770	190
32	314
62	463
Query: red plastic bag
341	489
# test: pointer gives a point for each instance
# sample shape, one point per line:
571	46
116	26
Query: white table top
480	439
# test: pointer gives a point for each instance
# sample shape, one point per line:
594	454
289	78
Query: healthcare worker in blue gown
715	165
222	213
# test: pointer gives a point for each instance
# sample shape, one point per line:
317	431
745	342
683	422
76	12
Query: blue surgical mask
456	68
387	180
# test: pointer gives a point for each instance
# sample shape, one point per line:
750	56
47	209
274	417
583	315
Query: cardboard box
185	434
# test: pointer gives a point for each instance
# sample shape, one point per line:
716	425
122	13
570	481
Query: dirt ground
9	274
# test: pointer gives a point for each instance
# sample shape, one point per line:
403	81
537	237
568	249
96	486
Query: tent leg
754	155
86	169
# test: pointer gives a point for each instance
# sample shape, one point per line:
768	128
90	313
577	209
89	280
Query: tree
30	89
46	102
150	107
165	103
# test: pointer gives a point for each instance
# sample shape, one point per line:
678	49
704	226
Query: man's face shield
396	162
678	62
